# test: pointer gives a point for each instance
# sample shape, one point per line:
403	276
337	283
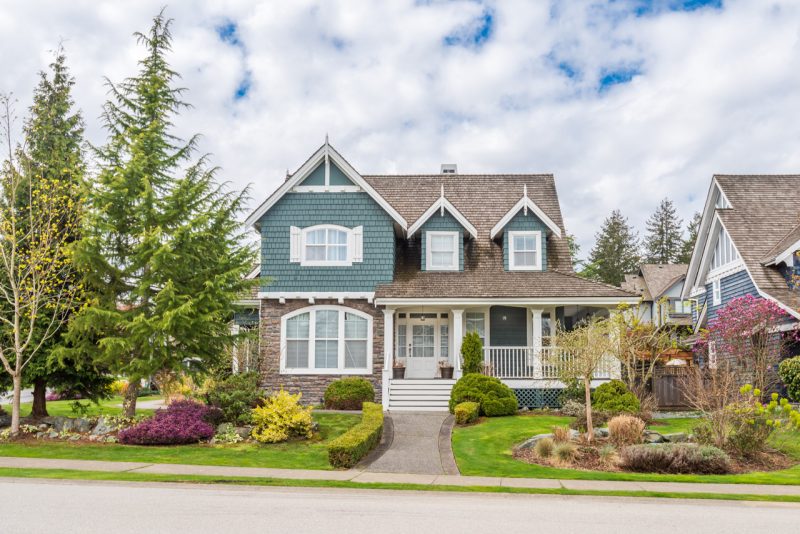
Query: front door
421	360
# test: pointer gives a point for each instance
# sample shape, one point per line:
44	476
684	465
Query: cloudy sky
625	101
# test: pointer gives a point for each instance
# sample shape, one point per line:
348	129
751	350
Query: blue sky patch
228	32
475	34
649	7
610	78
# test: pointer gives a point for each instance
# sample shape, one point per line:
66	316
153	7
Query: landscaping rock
82	425
653	437
601	432
245	431
531	442
677	437
62	423
224	428
103	427
52	434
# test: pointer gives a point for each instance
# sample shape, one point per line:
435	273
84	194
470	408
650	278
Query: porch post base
387	375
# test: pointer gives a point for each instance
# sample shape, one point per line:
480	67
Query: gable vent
449	168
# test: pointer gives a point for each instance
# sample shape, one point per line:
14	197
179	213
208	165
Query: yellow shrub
119	387
281	418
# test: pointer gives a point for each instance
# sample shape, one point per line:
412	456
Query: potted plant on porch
398	370
446	369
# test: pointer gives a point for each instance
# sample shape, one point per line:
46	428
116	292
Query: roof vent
449	168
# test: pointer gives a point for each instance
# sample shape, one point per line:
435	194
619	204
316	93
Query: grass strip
127	476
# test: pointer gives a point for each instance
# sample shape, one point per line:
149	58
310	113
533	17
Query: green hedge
789	371
348	393
494	397
353	445
467	412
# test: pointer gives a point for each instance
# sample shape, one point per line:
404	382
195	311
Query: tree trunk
15	403
39	408
587	389
129	399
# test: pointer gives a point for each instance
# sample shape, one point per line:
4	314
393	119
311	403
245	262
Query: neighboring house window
326	245
441	252
476	322
525	254
716	293
724	251
326	339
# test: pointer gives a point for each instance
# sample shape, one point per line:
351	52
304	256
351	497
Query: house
660	287
365	272
748	243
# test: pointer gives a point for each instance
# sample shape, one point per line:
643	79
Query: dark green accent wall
513	332
442	223
309	209
522	223
317	176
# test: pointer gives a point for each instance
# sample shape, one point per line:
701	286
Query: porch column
458	337
536	331
388	355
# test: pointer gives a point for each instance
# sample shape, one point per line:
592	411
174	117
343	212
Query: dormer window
525	253
326	245
442	251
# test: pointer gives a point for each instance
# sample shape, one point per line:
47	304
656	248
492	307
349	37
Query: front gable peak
440	206
525	204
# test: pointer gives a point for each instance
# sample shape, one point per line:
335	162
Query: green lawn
676	424
485	449
110	406
310	454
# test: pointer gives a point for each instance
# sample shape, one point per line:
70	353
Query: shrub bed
494	397
181	423
349	448
675	458
280	418
348	393
235	396
467	412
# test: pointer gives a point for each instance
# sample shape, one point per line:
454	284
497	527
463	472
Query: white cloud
711	90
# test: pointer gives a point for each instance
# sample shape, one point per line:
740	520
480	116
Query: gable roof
783	248
525	204
660	277
323	154
762	207
440	205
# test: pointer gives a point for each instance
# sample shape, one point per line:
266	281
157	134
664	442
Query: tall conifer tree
163	249
615	252
687	246
663	241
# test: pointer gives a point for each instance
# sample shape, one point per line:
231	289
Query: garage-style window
326	340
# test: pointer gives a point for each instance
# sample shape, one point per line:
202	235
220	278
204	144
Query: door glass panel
422	344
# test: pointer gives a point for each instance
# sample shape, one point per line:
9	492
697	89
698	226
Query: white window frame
354	246
340	369
716	292
537	238
453	266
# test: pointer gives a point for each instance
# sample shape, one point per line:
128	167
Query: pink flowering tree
744	336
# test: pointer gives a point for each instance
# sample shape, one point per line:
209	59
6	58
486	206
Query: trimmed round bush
614	397
467	412
494	397
181	423
675	458
789	371
349	393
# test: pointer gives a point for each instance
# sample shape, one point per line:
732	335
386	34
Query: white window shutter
358	244
294	245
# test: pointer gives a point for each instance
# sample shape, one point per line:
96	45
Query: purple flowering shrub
181	423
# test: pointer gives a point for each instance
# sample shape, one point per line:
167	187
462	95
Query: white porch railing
546	363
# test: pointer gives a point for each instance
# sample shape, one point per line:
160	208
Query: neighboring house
660	287
748	243
366	272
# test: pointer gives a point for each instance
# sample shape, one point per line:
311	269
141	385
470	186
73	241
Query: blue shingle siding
442	223
309	209
525	223
733	286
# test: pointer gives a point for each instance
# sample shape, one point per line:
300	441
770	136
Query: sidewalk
396	478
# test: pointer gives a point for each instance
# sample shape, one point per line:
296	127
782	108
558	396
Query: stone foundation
311	386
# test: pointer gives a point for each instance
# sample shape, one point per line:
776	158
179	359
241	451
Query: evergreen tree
615	252
688	244
164	254
574	250
663	242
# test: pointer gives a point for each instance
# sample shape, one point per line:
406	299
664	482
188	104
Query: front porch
518	345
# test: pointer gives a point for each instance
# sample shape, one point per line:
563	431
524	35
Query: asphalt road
28	506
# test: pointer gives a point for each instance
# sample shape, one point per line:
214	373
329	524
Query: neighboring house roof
762	207
483	200
634	283
659	277
786	246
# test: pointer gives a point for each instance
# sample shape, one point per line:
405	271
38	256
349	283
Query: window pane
355	327
297	354
442	259
355	354
337	253
524	259
327	354
337	237
475	323
315	237
443	341
315	253
297	327
443	243
401	340
327	324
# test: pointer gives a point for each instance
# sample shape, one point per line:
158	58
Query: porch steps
415	395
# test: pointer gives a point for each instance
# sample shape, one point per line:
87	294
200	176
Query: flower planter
398	373
447	372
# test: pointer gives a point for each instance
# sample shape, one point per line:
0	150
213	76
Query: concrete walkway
414	445
355	475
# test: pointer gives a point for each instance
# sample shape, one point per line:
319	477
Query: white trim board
514	301
369	296
785	255
325	151
440	205
526	204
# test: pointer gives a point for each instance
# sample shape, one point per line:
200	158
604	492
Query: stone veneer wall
311	386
